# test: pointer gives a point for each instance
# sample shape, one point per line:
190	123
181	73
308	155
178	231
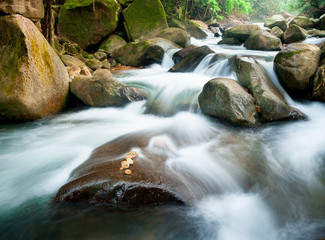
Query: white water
266	183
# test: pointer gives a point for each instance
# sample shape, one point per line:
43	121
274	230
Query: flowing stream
266	183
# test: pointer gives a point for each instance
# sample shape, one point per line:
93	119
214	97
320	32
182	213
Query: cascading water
265	183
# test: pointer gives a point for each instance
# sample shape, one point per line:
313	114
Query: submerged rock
276	20
294	34
295	65
176	35
225	99
263	40
33	80
241	32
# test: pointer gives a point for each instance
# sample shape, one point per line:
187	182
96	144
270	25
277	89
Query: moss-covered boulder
112	43
225	99
316	33
294	33
190	27
28	8
143	53
192	60
263	40
145	19
93	64
241	32
176	35
33	80
318	85
86	22
303	22
294	66
270	101
276	20
102	90
276	31
230	41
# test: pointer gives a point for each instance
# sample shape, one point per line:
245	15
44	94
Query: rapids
266	183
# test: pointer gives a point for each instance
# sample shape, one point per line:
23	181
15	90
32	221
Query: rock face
294	34
33	81
101	90
294	66
192	29
28	8
241	32
269	99
318	89
85	23
145	19
225	99
276	20
303	22
143	53
112	43
263	40
192	60
176	35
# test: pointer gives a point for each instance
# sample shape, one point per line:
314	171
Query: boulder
276	20
201	25
192	60
303	22
144	19
33	80
179	55
241	32
176	35
88	22
192	29
316	33
70	61
28	8
276	31
294	66
294	33
321	23
225	99
318	85
143	53
112	43
100	55
263	40
102	90
93	64
230	41
270	101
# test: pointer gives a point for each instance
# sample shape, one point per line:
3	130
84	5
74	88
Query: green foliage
302	5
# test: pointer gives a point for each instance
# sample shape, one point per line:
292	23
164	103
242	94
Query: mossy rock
86	23
176	35
263	40
93	64
230	41
303	22
188	26
145	19
294	33
112	43
318	85
33	80
225	99
276	20
276	31
241	32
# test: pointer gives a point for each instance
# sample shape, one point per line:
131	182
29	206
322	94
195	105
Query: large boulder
294	66
192	60
87	22
112	43
176	35
270	101
241	32
321	23
143	53
28	8
263	40
276	20
33	81
294	33
303	22
191	28
276	31
145	19
102	90
181	54
225	99
318	85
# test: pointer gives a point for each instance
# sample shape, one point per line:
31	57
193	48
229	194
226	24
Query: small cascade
219	68
168	61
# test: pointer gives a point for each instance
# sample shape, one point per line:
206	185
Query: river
283	163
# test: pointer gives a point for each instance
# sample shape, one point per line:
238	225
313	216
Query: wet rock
295	65
145	19
302	22
33	80
230	41
176	35
272	105
112	43
192	60
225	99
241	32
179	55
318	85
276	20
263	40
87	22
276	31
32	9
101	90
316	33
294	34
192	29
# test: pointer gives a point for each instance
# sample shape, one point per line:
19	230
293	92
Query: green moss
287	55
70	4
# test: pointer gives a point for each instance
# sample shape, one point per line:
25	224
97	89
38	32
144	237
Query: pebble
125	164
130	161
133	153
130	156
127	171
